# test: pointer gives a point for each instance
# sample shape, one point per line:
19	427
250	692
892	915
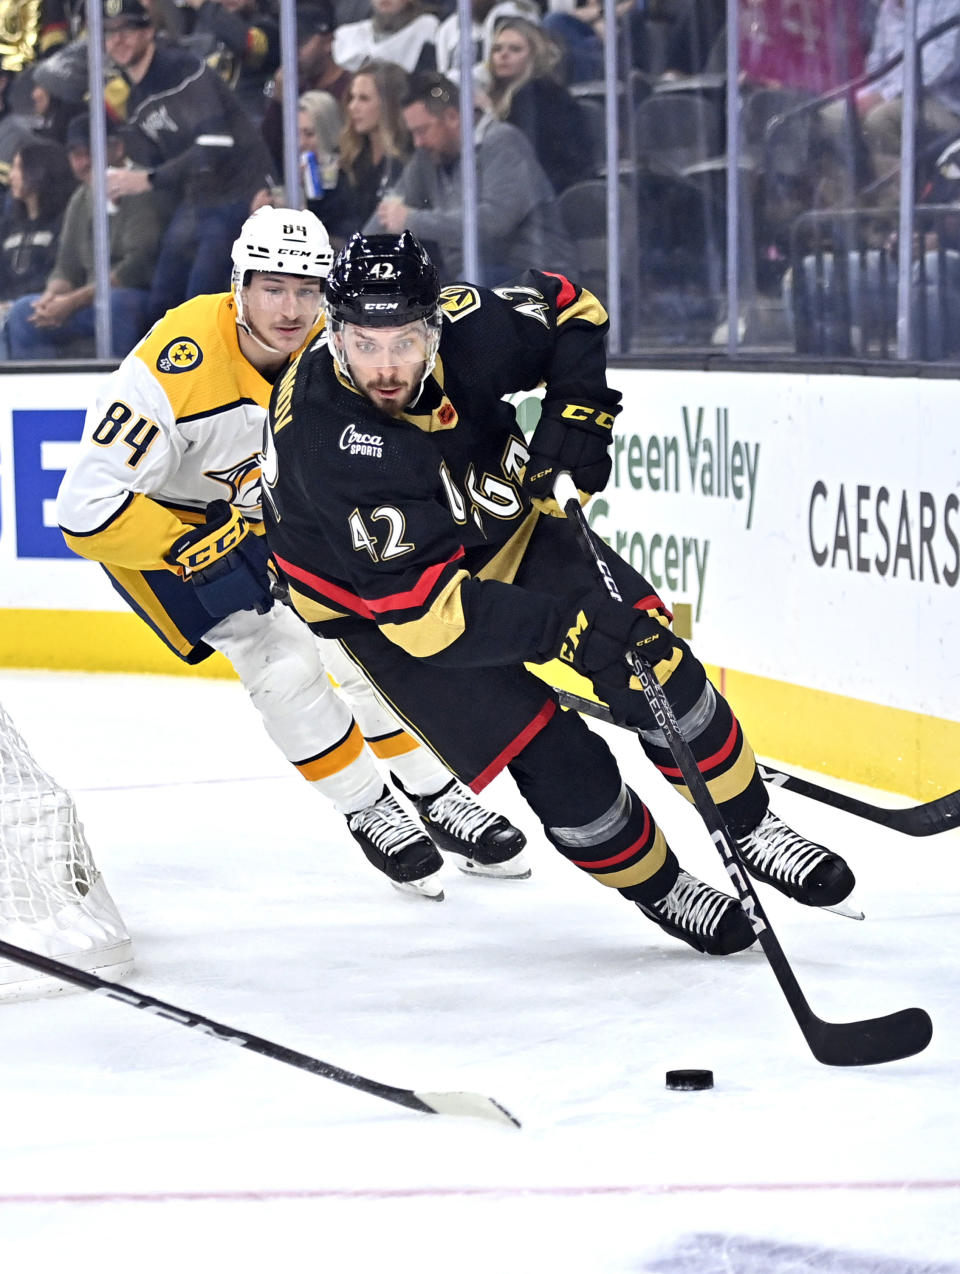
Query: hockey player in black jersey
412	520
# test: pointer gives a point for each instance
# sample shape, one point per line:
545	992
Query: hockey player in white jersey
165	493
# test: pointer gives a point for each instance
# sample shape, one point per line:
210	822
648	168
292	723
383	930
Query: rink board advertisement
806	528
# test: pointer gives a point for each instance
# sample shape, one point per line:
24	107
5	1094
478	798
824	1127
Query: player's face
386	363
281	309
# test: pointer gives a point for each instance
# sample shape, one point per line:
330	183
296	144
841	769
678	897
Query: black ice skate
395	845
806	872
709	920
484	842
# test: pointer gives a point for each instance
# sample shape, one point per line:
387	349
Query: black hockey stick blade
870	1042
866	1043
427	1103
939	815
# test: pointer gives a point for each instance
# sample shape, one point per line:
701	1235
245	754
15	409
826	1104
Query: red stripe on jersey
370	607
514	747
708	762
567	292
629	852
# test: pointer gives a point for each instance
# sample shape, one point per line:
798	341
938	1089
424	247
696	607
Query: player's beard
395	404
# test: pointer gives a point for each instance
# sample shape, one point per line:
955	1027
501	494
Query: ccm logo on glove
224	563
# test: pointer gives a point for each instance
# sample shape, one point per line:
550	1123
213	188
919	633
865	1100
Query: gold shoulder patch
459	300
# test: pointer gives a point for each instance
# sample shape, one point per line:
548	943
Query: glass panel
818	108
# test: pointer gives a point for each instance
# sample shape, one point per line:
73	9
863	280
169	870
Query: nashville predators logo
242	482
571	641
181	355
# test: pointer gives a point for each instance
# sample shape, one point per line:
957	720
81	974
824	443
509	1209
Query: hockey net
53	900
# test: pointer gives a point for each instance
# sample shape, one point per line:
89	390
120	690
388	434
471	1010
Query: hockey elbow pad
573	438
225	563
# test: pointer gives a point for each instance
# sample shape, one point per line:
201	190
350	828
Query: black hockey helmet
382	280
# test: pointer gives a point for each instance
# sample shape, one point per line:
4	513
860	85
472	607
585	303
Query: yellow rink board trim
887	748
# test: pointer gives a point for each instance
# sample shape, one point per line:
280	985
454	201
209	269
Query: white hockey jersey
178	424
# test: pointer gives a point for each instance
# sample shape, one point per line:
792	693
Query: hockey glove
604	633
224	563
574	437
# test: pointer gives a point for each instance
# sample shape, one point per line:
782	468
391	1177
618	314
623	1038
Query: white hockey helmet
281	241
278	241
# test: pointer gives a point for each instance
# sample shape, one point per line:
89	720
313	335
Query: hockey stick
881	1039
939	815
427	1103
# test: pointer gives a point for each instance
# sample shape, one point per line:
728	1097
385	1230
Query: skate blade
428	887
846	907
513	869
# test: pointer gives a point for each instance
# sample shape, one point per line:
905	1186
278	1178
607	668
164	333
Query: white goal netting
53	900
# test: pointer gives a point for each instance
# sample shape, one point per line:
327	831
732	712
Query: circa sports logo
360	444
180	355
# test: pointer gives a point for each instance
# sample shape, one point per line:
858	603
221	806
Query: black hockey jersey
416	523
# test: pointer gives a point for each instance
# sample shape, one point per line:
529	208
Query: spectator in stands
880	104
487	15
524	90
318	128
398	31
191	140
818	54
15	129
374	146
41	184
244	46
59	90
577	26
518	220
316	69
61	318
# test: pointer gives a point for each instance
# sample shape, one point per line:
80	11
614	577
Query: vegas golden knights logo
458	301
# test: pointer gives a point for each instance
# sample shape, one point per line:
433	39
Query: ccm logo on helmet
359	444
381	305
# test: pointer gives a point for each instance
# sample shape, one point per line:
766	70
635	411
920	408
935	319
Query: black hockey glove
603	633
574	437
224	562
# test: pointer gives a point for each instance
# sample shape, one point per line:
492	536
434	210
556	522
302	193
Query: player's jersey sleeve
130	447
540	329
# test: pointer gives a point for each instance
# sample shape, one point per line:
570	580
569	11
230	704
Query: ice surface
128	1142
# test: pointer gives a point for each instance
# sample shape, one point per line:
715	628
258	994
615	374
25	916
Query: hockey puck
689	1081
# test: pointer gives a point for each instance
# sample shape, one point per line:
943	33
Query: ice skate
484	842
709	920
804	871
395	845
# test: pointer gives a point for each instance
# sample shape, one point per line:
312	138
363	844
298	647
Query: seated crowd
379	138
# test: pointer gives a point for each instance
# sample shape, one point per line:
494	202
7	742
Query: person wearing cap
189	138
317	71
61	321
